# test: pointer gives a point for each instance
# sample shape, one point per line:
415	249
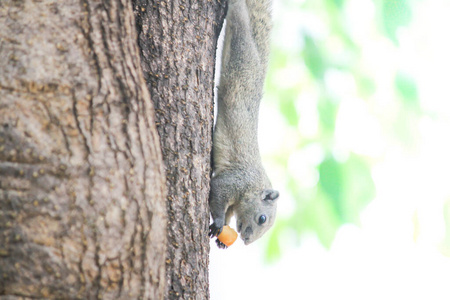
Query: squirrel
239	184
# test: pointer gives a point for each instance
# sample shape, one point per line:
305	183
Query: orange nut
228	236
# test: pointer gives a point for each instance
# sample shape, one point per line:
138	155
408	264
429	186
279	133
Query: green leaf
359	187
314	59
327	109
320	217
337	3
349	186
395	13
332	182
287	106
407	88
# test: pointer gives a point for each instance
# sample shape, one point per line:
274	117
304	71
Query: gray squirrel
239	185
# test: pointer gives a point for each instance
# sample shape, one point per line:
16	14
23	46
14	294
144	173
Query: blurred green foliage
395	13
322	40
407	89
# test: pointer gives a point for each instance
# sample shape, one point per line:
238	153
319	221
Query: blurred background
354	132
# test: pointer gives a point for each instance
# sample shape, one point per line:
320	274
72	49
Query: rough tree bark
82	190
178	43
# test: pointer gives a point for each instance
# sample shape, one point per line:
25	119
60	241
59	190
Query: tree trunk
178	43
82	190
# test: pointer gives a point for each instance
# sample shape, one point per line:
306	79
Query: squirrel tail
260	14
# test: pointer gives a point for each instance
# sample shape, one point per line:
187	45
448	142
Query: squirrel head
256	214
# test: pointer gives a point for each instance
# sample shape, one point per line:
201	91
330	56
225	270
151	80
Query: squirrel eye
261	220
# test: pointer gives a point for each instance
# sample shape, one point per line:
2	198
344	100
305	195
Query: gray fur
240	185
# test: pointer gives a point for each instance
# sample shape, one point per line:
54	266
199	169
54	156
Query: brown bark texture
178	42
82	189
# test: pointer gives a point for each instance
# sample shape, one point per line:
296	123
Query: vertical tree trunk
178	43
82	189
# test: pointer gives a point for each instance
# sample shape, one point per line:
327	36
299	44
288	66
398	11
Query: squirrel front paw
214	230
220	244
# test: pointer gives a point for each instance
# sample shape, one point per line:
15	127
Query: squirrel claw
220	244
214	230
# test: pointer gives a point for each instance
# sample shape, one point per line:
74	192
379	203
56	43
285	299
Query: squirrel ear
270	195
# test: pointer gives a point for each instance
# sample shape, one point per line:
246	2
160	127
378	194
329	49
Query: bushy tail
260	13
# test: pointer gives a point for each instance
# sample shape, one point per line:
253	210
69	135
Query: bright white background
387	256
